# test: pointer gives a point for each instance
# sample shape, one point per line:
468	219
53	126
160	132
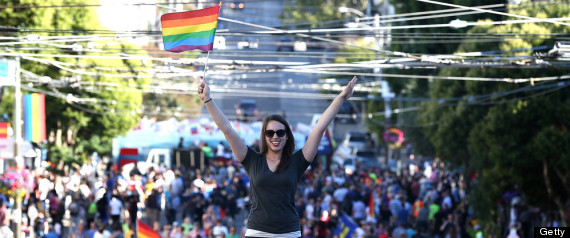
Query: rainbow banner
191	30
34	117
4	130
144	231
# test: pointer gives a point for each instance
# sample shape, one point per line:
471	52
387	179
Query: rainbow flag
191	30
34	117
4	130
144	231
194	129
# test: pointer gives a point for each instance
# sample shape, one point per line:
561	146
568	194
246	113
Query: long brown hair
289	147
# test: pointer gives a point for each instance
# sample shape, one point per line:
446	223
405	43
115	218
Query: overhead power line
495	12
121	4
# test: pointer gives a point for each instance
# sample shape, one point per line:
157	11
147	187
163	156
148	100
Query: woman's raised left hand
349	89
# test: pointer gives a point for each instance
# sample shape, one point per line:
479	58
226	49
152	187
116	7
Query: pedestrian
90	233
220	151
478	231
102	232
275	171
153	207
4	229
115	209
176	231
232	233
117	231
208	153
187	226
220	230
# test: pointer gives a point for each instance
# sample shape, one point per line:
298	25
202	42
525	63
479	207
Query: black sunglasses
270	133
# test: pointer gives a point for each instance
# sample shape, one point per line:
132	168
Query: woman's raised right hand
203	90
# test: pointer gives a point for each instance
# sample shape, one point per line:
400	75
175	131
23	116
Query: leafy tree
432	40
515	140
113	107
426	40
316	13
6	102
66	158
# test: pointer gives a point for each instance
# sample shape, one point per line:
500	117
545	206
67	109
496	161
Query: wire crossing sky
73	44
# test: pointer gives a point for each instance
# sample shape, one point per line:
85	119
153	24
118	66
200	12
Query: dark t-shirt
273	194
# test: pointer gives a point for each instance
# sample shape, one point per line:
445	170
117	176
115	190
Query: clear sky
121	15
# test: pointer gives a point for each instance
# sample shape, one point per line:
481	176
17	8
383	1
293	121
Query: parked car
356	139
347	113
248	43
299	46
286	43
316	44
366	158
247	110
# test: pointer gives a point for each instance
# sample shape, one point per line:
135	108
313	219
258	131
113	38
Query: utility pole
17	120
384	85
387	95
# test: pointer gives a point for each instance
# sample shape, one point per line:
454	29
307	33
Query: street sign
7	72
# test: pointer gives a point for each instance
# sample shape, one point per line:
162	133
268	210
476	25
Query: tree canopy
504	138
90	98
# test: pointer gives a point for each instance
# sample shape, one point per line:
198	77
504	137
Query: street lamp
351	10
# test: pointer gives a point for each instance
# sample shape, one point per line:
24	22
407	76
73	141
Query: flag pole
206	66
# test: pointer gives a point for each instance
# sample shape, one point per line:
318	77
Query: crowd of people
95	200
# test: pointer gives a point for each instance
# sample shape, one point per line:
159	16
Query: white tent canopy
166	134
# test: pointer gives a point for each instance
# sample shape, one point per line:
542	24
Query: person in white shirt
339	194
310	209
218	229
358	210
115	209
220	151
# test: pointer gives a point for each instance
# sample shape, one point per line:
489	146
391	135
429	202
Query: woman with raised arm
276	170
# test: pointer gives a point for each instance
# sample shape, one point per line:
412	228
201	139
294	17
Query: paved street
297	110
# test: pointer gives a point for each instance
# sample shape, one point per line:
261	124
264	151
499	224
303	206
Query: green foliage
355	54
7	102
63	156
114	107
163	105
313	13
94	144
506	138
438	40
